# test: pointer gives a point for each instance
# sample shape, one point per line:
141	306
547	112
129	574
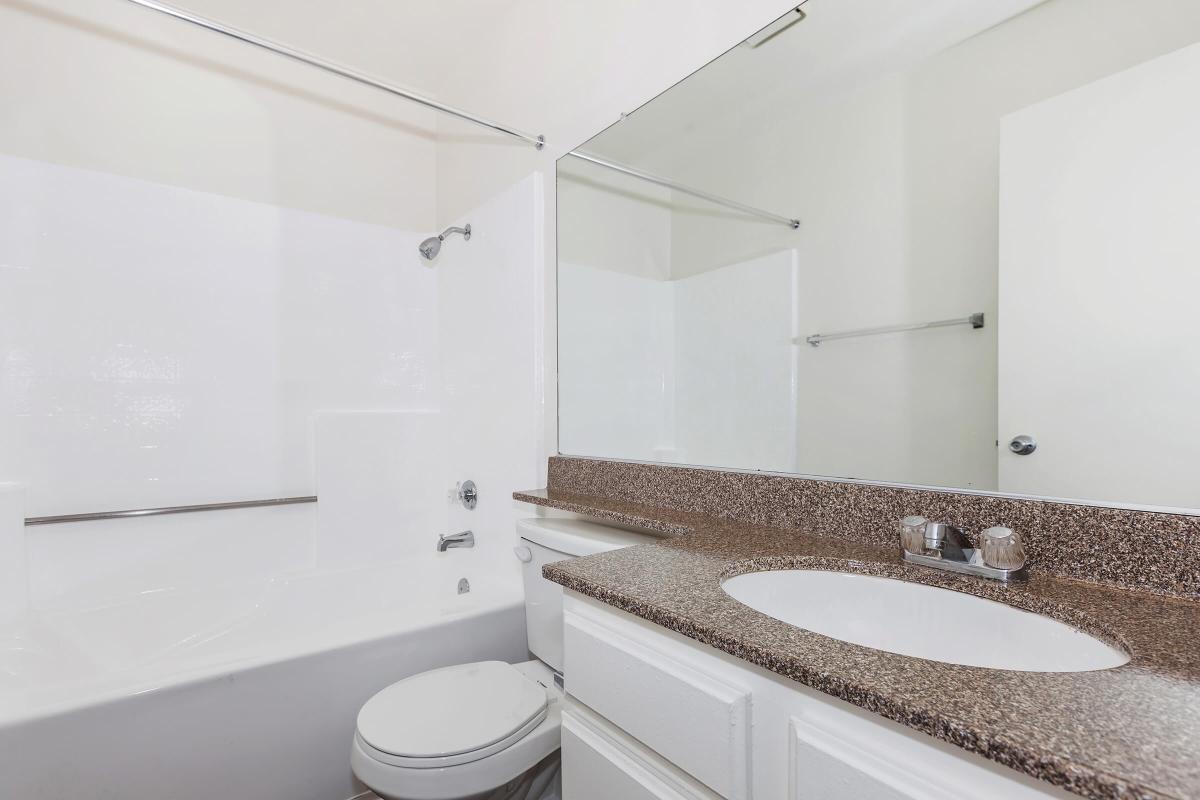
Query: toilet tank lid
575	537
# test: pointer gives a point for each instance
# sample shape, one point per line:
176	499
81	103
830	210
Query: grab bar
975	321
150	512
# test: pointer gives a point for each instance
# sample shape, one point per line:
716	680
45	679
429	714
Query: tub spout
464	539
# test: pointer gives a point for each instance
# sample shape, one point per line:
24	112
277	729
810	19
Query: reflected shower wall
671	362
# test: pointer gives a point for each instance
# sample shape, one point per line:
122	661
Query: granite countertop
1129	732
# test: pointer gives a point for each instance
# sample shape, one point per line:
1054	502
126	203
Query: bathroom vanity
665	717
676	688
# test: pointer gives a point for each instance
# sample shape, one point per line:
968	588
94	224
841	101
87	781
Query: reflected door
1099	329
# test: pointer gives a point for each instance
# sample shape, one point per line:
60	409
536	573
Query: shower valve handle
468	494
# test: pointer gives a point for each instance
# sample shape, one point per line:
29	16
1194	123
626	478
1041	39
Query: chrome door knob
1023	445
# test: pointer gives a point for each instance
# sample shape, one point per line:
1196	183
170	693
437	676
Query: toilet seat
451	716
443	775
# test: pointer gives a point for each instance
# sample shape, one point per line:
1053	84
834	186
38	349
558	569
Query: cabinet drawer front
694	720
601	763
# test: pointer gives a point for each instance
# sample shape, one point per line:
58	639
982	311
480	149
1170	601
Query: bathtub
245	687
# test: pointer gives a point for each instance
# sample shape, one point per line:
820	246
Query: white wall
120	89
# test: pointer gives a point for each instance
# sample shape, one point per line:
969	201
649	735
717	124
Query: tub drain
464	586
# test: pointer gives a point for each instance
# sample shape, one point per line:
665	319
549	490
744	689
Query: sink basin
921	621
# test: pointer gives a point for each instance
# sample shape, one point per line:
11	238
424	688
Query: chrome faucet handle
455	540
468	494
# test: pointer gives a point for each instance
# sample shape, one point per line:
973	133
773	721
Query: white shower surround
227	653
163	346
660	370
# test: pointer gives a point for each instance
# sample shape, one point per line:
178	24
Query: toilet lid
451	711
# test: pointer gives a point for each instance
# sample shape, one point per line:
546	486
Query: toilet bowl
485	730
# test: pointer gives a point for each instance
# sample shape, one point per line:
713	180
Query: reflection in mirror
1020	173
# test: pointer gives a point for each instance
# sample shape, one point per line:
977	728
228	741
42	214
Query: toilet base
543	781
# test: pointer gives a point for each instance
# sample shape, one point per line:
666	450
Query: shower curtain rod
678	187
297	55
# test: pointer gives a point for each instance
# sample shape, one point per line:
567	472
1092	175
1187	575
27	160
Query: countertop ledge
1129	732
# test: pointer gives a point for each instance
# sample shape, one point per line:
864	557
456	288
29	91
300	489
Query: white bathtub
244	688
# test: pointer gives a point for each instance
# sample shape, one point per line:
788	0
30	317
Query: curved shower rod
298	55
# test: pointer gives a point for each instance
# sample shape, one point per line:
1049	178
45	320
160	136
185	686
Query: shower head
433	245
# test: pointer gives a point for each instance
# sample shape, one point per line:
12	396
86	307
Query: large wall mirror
994	283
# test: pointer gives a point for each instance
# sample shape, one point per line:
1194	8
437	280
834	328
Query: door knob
1023	445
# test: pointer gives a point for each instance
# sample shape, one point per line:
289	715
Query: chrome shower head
433	245
430	247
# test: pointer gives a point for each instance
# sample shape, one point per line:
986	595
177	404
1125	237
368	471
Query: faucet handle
1002	548
467	494
912	534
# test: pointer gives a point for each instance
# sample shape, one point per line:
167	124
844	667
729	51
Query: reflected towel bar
975	321
150	512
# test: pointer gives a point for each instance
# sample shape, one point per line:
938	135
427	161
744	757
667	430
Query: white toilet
486	730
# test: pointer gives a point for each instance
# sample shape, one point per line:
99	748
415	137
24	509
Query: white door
1099	323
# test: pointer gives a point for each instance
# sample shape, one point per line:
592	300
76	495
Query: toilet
486	730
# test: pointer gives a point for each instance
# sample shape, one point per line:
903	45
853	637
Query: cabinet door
664	698
833	756
600	762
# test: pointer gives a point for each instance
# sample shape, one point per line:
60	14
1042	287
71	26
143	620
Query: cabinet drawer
694	720
601	763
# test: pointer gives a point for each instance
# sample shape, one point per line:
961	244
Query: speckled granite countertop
1130	732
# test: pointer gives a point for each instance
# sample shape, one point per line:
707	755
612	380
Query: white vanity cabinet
653	715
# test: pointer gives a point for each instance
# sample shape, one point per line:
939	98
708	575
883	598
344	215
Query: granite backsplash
1145	550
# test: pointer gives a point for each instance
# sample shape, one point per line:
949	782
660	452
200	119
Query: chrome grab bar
150	512
975	321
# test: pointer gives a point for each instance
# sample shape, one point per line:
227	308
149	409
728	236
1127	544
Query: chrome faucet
948	541
463	539
947	547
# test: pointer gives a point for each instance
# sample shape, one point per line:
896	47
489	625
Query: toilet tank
544	540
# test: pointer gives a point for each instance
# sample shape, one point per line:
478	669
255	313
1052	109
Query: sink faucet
947	547
463	539
949	541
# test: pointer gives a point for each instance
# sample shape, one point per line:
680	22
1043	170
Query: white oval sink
921	621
